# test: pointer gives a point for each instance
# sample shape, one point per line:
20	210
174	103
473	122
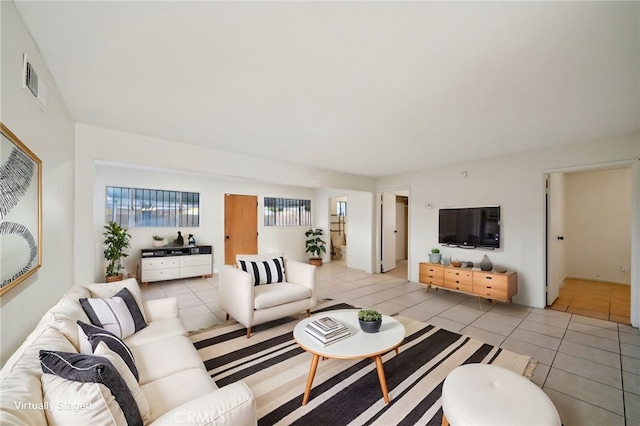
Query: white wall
598	225
271	239
49	133
189	165
515	182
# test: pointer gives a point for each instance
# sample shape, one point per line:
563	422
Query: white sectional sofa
172	377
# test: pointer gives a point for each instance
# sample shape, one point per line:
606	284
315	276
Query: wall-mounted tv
470	227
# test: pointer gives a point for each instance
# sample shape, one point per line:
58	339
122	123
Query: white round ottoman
485	394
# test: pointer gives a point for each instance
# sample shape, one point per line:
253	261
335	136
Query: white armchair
250	302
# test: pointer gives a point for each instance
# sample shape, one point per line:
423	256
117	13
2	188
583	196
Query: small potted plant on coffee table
370	320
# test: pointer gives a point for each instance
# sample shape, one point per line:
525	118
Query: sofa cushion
27	357
75	403
132	382
119	314
264	271
92	369
267	296
157	330
63	317
19	393
174	390
165	357
93	335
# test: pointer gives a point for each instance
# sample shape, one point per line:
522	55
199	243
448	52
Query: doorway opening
589	242
394	233
338	229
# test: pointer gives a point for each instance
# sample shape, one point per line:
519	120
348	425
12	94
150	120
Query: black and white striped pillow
264	271
92	369
93	335
119	315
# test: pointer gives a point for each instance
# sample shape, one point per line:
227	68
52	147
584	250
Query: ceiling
368	88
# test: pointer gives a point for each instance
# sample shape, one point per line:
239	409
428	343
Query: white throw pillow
143	405
68	402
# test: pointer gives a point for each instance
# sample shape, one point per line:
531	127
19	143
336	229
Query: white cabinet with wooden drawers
174	267
489	285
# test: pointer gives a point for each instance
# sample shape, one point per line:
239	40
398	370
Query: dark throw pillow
92	369
95	335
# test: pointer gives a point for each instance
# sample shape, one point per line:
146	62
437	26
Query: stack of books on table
327	330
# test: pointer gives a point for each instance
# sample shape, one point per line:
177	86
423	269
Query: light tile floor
590	368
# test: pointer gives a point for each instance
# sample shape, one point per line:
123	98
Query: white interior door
555	235
388	232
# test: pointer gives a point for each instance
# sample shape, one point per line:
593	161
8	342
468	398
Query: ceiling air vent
32	84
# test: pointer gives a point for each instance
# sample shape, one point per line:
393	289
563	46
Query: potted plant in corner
434	256
370	320
116	239
315	245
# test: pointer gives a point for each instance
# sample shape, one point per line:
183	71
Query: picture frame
20	211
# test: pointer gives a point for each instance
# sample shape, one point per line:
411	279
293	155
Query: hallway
595	299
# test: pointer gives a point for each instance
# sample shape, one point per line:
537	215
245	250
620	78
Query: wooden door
240	226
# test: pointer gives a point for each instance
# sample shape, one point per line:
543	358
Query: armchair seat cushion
267	296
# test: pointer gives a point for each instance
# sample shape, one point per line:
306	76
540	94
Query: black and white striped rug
345	391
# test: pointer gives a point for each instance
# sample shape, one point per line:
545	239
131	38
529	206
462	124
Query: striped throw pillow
119	315
265	271
91	336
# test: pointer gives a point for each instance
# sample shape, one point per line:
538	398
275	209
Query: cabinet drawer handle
457	282
488	286
489	278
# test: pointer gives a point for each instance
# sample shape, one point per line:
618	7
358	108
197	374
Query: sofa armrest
301	273
236	294
159	309
230	405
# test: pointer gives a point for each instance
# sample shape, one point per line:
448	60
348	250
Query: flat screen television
470	227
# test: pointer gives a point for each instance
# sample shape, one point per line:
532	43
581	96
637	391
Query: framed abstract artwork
20	211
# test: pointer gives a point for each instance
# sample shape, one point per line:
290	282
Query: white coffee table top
359	344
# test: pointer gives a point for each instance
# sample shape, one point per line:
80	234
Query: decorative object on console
315	245
179	241
445	260
370	320
192	240
20	211
456	263
434	256
159	241
116	239
486	264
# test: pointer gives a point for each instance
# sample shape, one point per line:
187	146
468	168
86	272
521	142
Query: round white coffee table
358	345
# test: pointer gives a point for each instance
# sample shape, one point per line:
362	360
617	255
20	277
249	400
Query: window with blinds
137	207
287	212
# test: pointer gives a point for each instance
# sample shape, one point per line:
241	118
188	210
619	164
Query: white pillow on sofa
132	383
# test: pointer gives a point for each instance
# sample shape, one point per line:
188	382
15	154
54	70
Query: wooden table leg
381	378
312	374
